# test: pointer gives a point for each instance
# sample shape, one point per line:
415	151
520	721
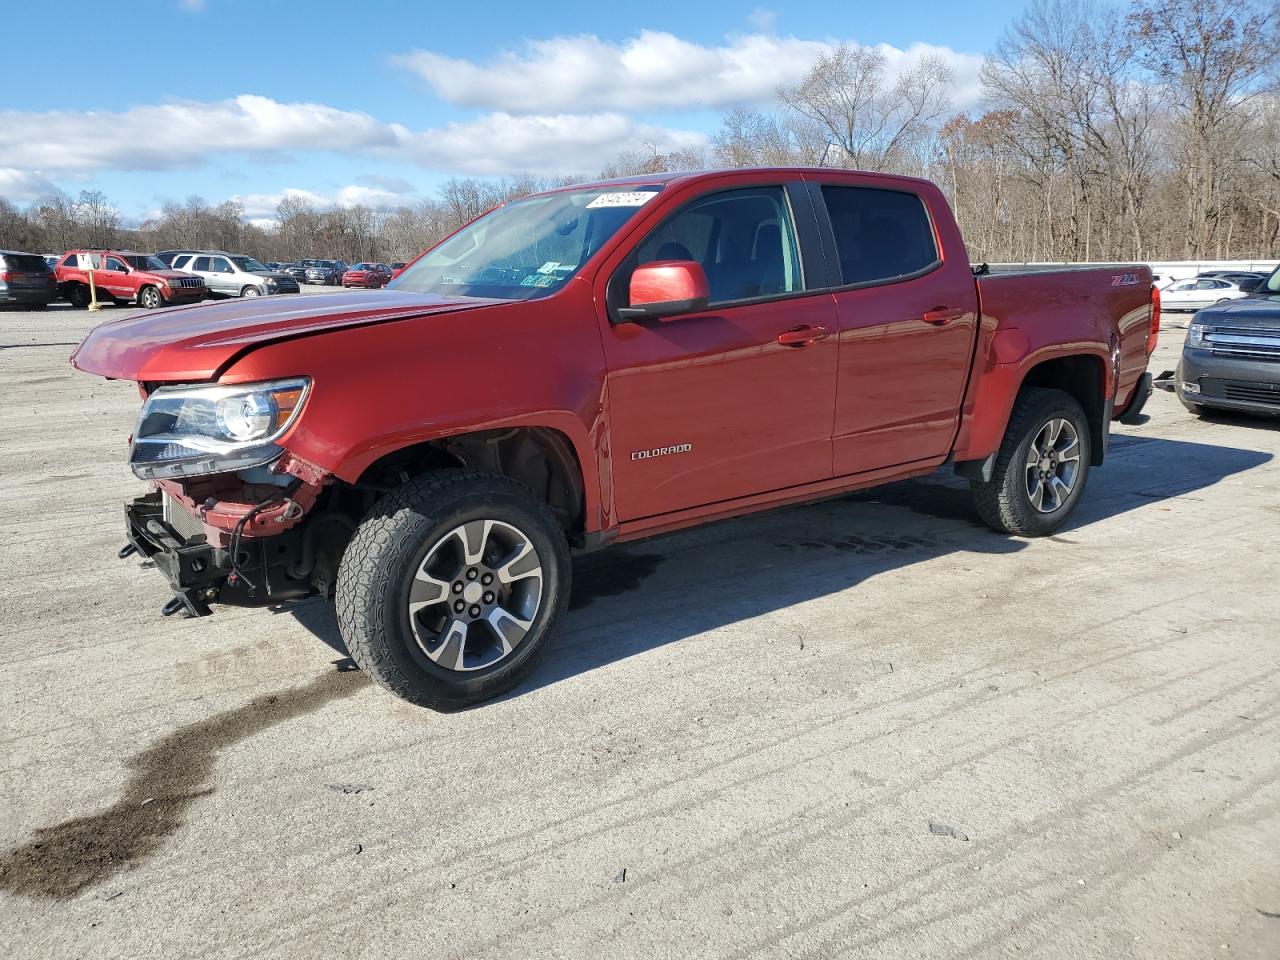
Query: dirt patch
60	861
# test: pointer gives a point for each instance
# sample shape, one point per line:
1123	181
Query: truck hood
1259	311
163	274
196	342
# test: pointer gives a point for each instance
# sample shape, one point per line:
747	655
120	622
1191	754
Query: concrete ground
866	728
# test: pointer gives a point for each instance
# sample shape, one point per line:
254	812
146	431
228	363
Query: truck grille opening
1253	344
1268	393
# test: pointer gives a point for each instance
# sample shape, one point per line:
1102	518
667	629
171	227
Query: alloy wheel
1053	465
475	595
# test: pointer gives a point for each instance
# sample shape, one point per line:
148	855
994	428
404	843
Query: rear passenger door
908	313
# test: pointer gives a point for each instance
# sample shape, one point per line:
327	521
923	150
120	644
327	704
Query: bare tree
1208	56
863	121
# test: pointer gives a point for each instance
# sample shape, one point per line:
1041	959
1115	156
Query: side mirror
666	288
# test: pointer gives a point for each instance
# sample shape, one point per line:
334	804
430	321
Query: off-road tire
379	565
1004	502
149	298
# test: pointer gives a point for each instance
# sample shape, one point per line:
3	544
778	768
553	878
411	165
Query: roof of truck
671	177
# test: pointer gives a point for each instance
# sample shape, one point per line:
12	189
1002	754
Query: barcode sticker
637	199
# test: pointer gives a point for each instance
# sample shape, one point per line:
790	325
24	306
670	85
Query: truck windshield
527	248
1272	283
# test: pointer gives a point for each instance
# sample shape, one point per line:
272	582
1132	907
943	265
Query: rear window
880	234
24	261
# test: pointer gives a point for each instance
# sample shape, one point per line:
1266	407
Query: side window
72	262
220	265
114	263
744	240
880	234
203	263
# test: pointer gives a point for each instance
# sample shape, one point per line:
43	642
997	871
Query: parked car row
1208	288
124	276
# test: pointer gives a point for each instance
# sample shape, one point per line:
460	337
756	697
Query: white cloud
192	6
651	71
174	135
185	135
499	143
260	208
23	186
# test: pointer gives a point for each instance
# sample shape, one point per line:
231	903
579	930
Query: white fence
1166	271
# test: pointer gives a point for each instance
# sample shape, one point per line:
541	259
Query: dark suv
26	278
328	272
1231	360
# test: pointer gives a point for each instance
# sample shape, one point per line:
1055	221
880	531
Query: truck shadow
637	597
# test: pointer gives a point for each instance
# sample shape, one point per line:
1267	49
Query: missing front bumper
189	564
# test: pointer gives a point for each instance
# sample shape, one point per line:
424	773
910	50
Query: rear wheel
1041	467
451	586
78	295
149	297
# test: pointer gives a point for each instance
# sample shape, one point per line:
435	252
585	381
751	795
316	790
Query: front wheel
250	292
1041	467
451	586
150	298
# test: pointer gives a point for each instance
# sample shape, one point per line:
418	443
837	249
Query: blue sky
379	102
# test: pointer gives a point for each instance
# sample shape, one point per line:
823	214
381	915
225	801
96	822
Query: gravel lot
863	728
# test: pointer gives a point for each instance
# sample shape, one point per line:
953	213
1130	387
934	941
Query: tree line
1144	132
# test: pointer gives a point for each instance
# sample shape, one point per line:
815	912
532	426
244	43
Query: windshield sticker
636	199
549	266
538	280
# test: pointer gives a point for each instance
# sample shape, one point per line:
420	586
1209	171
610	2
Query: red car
125	277
372	275
594	365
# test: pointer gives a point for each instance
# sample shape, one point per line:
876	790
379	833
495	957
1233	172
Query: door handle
941	316
802	336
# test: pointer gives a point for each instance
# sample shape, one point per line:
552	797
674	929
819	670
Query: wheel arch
1083	377
542	458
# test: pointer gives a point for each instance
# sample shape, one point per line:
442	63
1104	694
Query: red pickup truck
597	364
125	277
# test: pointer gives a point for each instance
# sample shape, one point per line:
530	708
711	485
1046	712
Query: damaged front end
223	540
232	517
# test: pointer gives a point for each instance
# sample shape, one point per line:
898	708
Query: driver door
712	406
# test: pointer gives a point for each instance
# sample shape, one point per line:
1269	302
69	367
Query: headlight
194	431
270	281
1196	334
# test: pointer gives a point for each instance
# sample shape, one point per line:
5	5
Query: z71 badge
1124	280
661	451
